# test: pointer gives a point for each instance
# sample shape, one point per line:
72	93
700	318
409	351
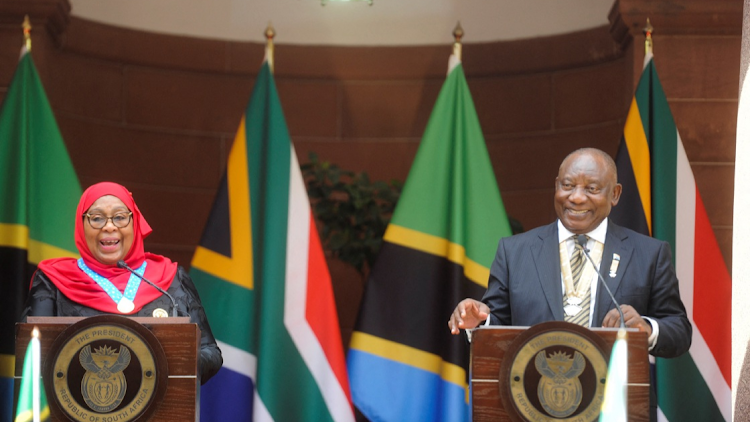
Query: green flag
39	191
32	401
404	365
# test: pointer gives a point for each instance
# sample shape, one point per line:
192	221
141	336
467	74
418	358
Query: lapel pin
615	264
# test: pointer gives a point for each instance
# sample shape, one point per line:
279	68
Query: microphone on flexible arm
581	239
124	266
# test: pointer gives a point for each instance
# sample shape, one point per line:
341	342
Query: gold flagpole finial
458	33
270	33
647	31
27	32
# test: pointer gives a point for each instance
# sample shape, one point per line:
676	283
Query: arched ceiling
385	22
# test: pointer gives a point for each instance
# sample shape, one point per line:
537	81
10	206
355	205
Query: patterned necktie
577	262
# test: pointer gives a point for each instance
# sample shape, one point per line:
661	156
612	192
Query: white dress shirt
599	234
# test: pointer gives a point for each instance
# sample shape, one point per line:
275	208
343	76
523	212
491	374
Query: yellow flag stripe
238	268
25	416
28	415
409	356
14	236
39	251
640	157
7	366
17	236
438	246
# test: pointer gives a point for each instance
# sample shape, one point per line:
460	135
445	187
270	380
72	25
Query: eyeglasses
120	220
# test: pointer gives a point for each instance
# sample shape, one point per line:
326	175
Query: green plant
353	212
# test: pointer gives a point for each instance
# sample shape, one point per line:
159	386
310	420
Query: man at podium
109	233
543	275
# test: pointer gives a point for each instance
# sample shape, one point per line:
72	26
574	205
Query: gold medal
159	313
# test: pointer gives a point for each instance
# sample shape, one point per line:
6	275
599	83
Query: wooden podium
508	366
161	383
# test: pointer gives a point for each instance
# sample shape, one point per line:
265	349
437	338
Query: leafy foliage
352	211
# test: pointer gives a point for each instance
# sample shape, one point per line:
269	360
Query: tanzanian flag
265	285
660	198
404	364
39	193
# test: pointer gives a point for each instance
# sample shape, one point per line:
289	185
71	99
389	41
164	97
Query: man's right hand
468	314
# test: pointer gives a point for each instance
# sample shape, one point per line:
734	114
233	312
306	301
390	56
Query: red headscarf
79	287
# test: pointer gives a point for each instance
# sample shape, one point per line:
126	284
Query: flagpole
648	52
35	348
34	344
27	32
270	33
35	375
458	33
455	58
647	31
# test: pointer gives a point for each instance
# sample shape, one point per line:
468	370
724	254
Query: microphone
124	266
581	240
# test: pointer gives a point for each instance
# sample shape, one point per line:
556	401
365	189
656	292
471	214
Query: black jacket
46	300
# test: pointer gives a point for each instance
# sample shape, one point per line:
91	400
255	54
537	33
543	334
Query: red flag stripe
712	285
321	308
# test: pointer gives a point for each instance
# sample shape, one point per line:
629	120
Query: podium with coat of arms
111	368
552	371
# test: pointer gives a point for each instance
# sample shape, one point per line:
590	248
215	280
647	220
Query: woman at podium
115	275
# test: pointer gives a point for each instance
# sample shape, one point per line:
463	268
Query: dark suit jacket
525	287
